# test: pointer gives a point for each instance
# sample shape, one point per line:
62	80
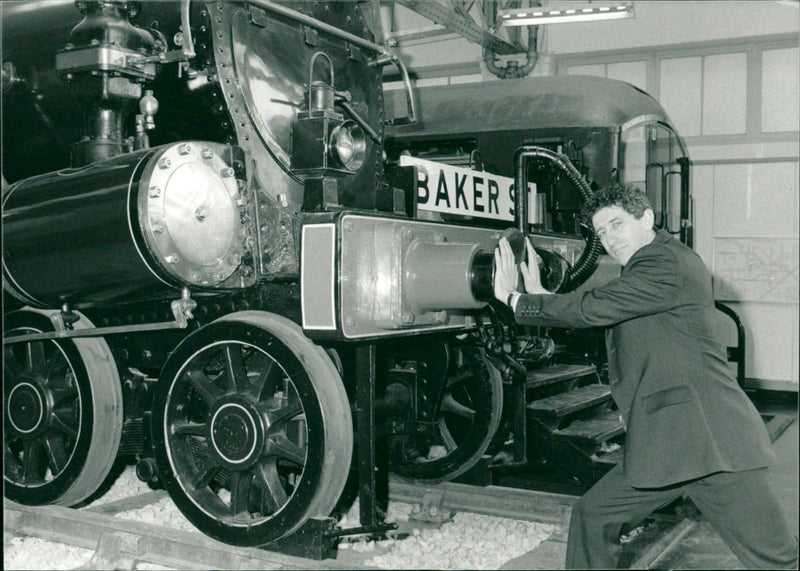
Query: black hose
585	265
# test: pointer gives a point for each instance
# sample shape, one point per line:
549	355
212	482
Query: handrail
735	354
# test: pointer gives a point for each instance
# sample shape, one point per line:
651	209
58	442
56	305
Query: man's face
621	233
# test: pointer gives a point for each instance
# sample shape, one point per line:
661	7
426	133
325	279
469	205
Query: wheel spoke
451	405
203	385
187	428
241	484
277	418
12	368
63	421
11	464
64	396
235	372
56	452
274	495
35	355
32	468
458	380
267	381
56	369
447	438
279	445
207	474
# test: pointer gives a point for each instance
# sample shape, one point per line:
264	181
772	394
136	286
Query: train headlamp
349	145
324	144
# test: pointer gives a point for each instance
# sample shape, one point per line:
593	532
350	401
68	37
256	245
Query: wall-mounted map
756	269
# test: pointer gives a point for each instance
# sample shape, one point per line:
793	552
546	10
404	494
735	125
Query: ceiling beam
455	18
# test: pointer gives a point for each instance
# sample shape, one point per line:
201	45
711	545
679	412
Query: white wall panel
700	151
795	344
752	200
796	208
703	198
725	94
593	70
681	90
771	330
780	90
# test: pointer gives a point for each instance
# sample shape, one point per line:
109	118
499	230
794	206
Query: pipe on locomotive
585	265
385	56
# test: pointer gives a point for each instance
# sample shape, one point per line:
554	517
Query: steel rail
497	501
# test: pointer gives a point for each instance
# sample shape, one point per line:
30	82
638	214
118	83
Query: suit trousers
741	506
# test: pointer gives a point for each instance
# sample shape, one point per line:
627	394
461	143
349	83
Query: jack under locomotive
210	259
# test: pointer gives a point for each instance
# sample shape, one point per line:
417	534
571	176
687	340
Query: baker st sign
454	190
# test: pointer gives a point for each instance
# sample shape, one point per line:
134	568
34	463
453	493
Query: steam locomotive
216	261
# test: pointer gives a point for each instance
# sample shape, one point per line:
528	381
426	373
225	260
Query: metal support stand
519	402
316	539
365	423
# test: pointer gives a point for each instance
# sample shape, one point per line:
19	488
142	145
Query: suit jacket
684	413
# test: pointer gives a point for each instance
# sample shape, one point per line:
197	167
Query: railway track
120	543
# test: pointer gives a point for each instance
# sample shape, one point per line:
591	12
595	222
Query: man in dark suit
690	429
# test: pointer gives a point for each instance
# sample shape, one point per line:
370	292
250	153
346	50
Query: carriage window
635	156
650	154
663	177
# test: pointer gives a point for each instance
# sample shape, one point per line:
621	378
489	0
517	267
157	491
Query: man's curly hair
629	198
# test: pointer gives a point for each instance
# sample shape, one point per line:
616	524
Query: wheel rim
466	420
51	395
242	438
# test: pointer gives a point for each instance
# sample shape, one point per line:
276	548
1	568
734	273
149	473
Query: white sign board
454	190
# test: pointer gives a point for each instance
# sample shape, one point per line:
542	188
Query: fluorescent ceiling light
535	16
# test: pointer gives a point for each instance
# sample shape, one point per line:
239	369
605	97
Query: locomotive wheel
251	429
62	408
466	421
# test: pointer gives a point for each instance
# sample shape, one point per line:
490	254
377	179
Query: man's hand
530	271
505	273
